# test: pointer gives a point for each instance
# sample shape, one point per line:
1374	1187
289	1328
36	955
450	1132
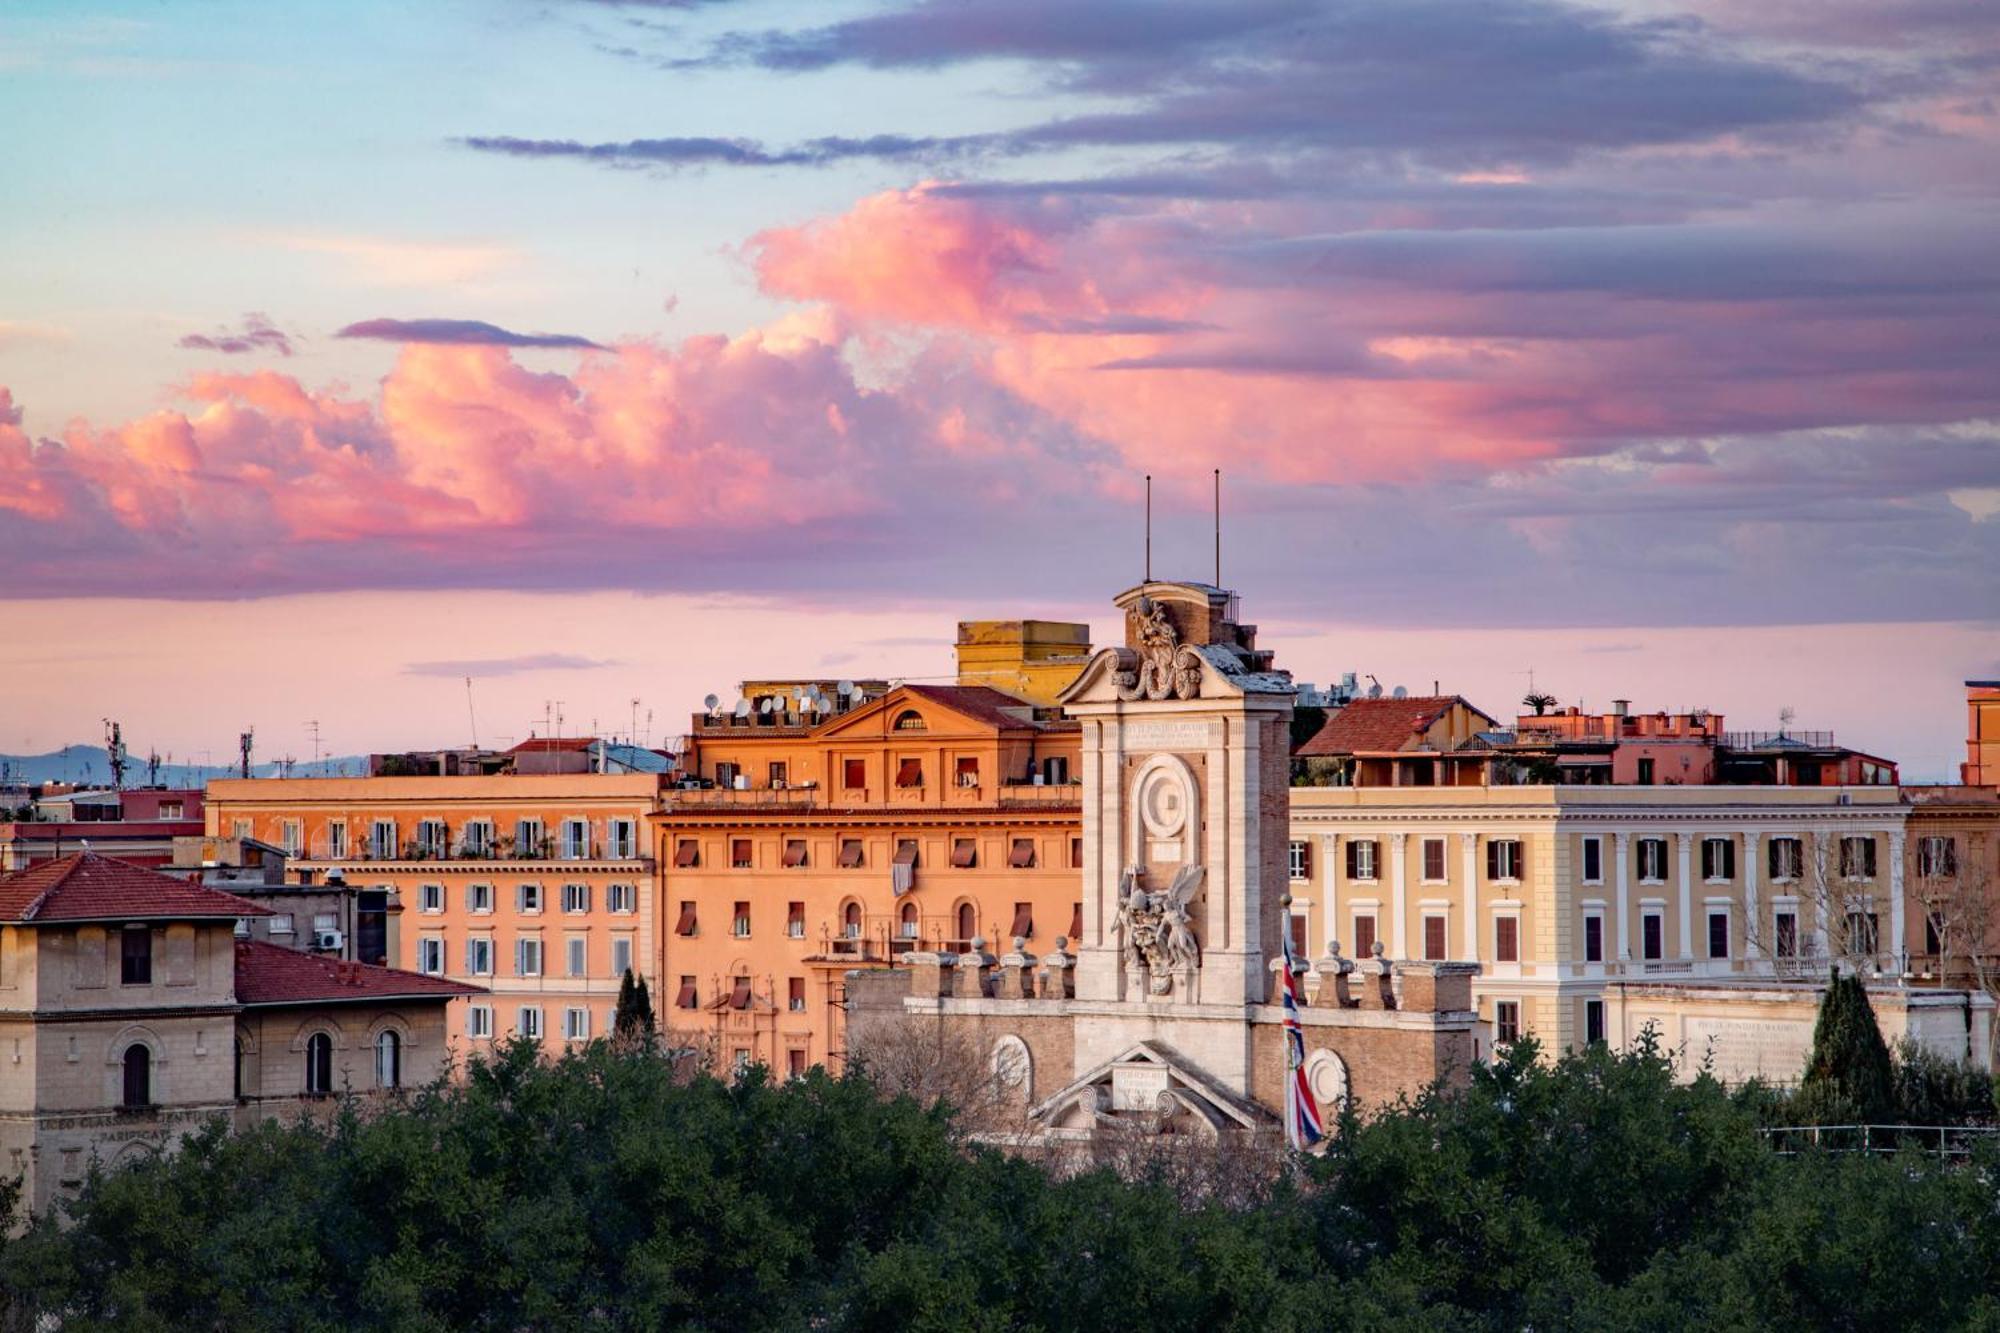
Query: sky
610	351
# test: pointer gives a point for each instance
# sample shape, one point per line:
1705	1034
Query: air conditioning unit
328	940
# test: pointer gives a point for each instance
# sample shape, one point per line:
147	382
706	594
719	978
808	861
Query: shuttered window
685	926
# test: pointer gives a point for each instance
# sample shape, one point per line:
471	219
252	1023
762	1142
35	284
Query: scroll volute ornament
1167	668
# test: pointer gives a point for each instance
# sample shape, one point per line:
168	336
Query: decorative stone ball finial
1021	944
1333	948
979	944
1378	950
1285	901
1062	943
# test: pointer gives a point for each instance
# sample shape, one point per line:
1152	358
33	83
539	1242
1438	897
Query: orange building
803	845
536	886
1982	734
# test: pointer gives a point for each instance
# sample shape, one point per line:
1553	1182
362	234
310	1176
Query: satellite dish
1375	690
742	708
1399	693
710	702
845	687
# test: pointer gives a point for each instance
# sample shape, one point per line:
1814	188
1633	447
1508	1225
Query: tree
1849	1066
1538	701
632	1020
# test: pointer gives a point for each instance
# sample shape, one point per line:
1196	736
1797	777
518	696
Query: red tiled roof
982	703
272	974
553	744
1371	726
89	887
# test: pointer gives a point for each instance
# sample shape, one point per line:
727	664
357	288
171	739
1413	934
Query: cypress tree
1849	1061
625	1021
645	1006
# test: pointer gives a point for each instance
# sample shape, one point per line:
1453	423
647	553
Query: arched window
388	1060
909	720
319	1063
907	920
968	922
138	1077
850	920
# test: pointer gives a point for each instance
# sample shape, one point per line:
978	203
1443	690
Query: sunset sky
604	351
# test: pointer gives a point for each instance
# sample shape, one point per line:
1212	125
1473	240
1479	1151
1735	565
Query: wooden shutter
685	926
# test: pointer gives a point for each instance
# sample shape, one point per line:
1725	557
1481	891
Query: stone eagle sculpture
1158	931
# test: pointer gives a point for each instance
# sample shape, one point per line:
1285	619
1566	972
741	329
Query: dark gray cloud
698	151
258	334
508	666
457	332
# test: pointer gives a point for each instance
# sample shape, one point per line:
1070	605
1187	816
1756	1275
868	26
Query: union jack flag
1302	1123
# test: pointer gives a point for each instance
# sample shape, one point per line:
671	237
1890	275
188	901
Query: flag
1302	1123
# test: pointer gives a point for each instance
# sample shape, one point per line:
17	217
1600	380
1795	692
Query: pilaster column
1329	912
1823	875
1398	847
1686	841
1621	847
1753	924
1899	947
1469	843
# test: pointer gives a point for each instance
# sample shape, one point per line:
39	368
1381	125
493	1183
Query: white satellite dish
742	708
768	705
845	688
710	702
1399	693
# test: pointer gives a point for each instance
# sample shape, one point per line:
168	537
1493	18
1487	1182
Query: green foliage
612	1190
1848	1072
632	1020
1931	1090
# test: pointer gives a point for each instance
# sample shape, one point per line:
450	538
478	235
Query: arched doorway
138	1077
319	1064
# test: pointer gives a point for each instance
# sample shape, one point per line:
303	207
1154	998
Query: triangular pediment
1162	1075
1221	675
941	712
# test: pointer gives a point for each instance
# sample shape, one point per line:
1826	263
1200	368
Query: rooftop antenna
635	723
313	726
471	715
1218	527
244	741
1785	717
1149	527
152	768
114	750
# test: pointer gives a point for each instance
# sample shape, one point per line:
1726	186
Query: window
477	838
1784	858
138	1092
319	1065
739	854
528	838
850	921
281	924
1024	921
1434	869
739	992
1503	858
910	773
430	898
431	839
576	1024
1593	939
687	854
621	898
686	924
529	1023
1864	935
1652	860
740	921
795	853
323	921
1593	860
575	839
528	956
968	922
725	775
1857	857
388	1059
778	775
909	720
479	898
1076	853
430	956
795	994
575	953
853	774
1434	947
1593	1021
1718	859
624	839
1055	770
967	771
906	852
795	1063
479	956
1297	861
851	857
576	899
292	837
382	840
1021	856
1645	772
1361	859
1507	939
1506	1021
1300	949
621	955
795	920
964	853
1364	936
479	1022
1785	930
685	997
528	898
1937	858
336	841
1652	937
135	956
1718	934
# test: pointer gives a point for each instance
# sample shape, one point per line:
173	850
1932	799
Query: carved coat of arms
1167	668
1158	935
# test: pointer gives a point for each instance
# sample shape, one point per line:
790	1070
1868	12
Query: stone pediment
1148	1087
1215	670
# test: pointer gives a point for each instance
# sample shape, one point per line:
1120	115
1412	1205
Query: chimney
1620	707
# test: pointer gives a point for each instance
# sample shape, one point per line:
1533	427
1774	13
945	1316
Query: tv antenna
114	750
244	742
313	728
471	714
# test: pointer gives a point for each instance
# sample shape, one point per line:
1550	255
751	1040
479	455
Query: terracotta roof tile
1372	726
272	974
980	702
89	887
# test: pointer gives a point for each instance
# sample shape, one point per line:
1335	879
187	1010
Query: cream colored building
1592	910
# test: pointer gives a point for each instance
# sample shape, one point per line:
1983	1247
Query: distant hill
90	765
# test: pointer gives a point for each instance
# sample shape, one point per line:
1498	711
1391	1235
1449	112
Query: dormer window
909	720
